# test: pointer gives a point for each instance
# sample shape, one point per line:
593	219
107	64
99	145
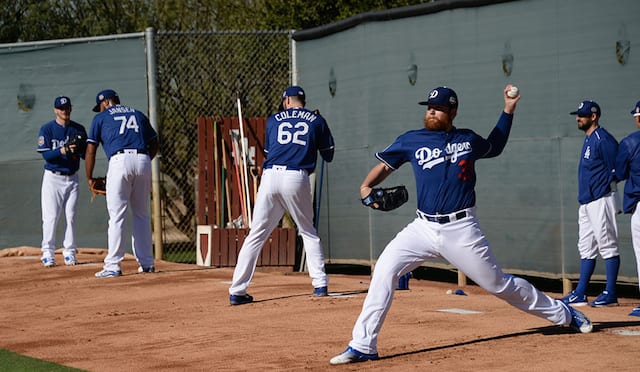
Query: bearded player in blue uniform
598	198
443	160
60	179
293	138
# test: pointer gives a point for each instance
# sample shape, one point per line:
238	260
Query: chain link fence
203	74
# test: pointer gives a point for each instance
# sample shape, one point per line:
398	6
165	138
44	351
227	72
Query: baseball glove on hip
386	199
98	186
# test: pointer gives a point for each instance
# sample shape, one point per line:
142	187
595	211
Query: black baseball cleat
240	299
320	291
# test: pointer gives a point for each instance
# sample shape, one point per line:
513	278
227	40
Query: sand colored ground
179	319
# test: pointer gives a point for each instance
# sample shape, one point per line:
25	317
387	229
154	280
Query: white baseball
449	291
513	92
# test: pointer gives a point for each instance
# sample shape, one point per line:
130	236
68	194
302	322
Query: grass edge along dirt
10	361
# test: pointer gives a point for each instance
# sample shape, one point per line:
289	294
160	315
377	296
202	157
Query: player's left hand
386	199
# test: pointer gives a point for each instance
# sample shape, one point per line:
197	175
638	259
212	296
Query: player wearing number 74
293	138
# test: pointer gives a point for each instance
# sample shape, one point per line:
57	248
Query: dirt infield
179	319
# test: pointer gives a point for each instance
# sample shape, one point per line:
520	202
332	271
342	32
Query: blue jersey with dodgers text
52	138
294	137
121	127
597	165
628	168
444	163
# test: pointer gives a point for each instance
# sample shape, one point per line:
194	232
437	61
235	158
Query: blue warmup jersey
628	168
52	137
444	163
121	128
294	137
596	169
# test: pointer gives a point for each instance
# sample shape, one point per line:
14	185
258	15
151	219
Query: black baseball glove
386	199
79	141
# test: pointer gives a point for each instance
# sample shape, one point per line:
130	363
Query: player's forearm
90	160
53	154
375	177
500	134
327	154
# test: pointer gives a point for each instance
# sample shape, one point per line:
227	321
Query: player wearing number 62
293	138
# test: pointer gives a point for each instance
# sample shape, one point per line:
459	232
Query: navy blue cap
586	108
62	102
105	94
636	110
441	96
293	91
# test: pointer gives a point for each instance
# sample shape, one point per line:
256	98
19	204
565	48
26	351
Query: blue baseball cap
293	91
636	110
105	94
62	102
586	108
441	96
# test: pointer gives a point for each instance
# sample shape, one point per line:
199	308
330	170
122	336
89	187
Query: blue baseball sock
587	267
612	266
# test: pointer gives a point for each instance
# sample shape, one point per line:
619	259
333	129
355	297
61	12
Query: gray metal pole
153	118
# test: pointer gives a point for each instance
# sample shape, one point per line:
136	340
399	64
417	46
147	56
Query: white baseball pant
58	193
464	245
129	187
280	190
597	228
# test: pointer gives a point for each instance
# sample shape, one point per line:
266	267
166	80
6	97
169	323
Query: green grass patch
10	361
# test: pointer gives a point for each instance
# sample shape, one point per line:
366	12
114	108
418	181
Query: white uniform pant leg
635	236
56	190
267	213
587	246
597	228
118	193
51	202
410	248
72	190
296	195
467	249
141	236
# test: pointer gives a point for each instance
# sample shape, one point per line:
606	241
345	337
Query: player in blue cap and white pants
293	138
130	144
443	160
628	168
60	180
598	198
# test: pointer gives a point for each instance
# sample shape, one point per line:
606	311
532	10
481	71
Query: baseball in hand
513	92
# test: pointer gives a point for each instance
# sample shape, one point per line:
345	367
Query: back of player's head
105	94
441	96
295	91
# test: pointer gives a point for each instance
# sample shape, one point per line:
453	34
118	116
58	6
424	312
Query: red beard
435	124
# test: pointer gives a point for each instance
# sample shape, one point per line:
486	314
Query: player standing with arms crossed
443	160
628	168
597	227
130	143
293	138
60	179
